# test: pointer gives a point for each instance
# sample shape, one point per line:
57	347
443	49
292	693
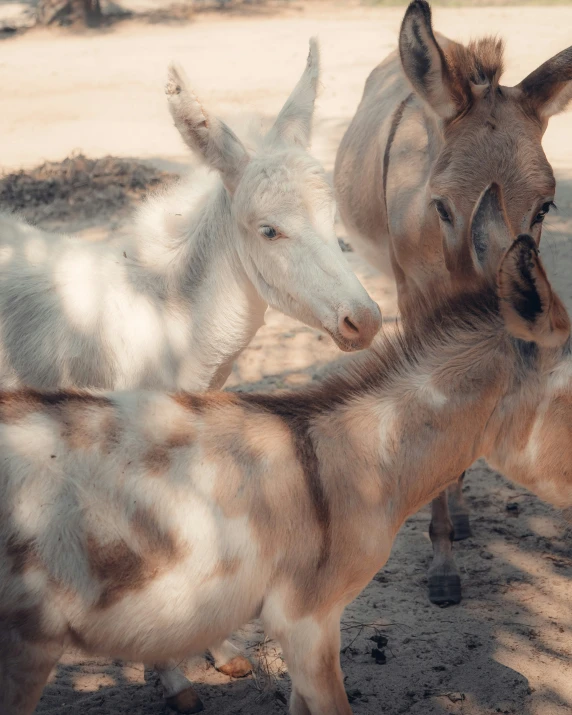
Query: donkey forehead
494	142
279	182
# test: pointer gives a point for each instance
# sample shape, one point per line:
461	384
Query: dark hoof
187	701
238	667
445	590
461	526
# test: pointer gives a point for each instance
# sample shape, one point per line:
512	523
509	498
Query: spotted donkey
147	525
433	129
172	305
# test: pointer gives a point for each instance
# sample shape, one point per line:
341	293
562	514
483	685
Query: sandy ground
507	648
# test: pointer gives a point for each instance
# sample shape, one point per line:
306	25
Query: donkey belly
172	617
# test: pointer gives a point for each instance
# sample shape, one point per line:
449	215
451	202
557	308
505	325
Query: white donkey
147	525
173	304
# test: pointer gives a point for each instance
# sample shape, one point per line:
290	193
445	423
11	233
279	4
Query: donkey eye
269	232
442	211
539	218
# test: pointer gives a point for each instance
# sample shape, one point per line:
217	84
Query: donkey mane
454	320
480	62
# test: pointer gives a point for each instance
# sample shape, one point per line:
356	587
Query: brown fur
19	403
555	429
23	554
518	279
180	439
298	423
492	136
191	402
198	403
121	569
225	567
81	427
157	460
84	428
439	147
27	621
376	444
303	412
478	63
548	85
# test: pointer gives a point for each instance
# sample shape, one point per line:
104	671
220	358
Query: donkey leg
24	670
177	690
312	653
229	660
459	510
444	576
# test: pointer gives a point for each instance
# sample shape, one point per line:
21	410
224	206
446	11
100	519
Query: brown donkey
433	128
147	526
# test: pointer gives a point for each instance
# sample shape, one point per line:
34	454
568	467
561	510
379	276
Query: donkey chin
350	343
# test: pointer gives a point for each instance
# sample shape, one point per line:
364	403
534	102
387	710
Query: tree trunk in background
92	12
88	12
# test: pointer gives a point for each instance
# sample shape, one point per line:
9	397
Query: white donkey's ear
294	123
210	137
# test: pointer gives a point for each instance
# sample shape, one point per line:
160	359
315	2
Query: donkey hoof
461	526
187	701
238	667
445	589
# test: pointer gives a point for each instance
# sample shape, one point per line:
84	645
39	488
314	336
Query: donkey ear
211	138
530	309
490	232
483	245
549	88
294	123
424	62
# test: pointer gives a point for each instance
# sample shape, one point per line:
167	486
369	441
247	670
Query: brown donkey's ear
530	309
548	89
488	237
424	62
490	233
209	137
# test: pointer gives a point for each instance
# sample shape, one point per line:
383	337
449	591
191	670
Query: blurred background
85	134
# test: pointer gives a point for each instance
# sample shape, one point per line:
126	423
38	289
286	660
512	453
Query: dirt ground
508	647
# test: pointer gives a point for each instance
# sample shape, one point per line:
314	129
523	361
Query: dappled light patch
90	682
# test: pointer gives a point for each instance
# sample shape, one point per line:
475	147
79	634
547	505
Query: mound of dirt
79	189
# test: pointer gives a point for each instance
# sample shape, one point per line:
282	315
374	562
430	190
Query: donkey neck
410	154
190	240
394	436
530	420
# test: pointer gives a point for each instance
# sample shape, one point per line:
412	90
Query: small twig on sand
270	666
361	627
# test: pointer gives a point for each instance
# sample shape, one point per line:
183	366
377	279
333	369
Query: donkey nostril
351	327
357	326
